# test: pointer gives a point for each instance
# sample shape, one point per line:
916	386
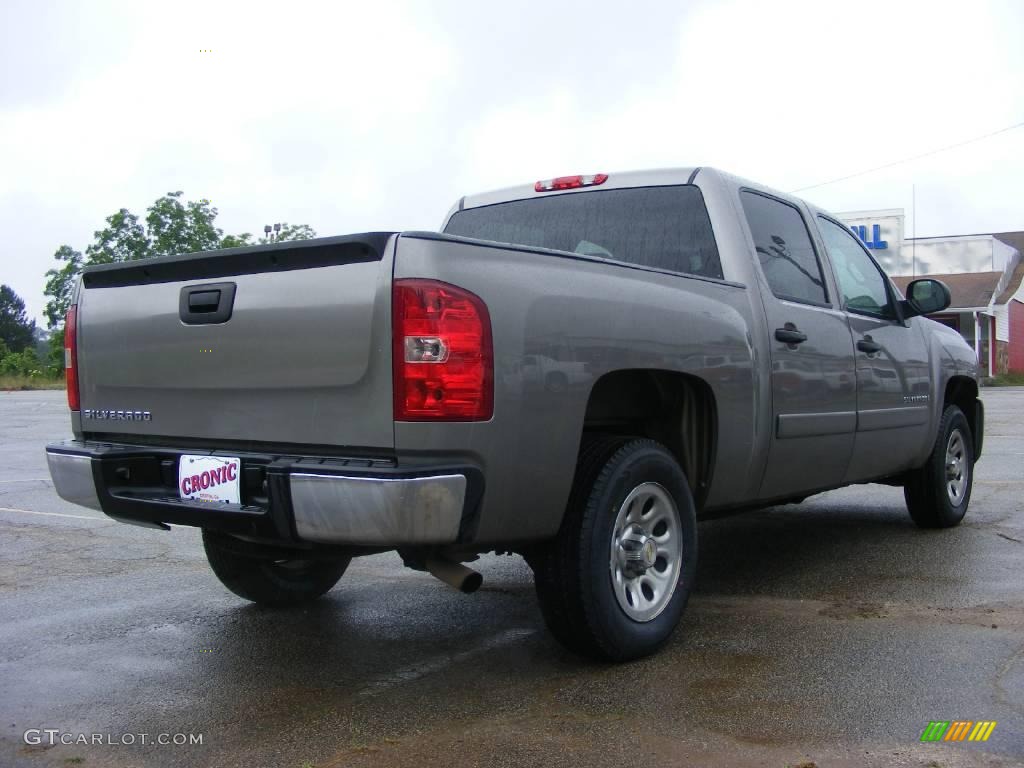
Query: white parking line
434	664
50	514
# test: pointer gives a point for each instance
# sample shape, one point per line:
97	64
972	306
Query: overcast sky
361	116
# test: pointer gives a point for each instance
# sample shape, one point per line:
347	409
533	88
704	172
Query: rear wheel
616	580
938	493
274	583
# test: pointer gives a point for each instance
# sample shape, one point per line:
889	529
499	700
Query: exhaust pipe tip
464	579
472	582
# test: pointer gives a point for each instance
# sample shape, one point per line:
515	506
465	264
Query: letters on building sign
876	242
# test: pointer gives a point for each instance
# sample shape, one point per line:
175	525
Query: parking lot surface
827	633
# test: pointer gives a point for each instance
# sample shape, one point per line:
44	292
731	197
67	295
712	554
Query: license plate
209	478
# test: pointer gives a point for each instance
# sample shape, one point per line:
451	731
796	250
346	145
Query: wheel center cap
638	552
650	552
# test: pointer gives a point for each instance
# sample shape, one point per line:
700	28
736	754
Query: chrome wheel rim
646	552
958	470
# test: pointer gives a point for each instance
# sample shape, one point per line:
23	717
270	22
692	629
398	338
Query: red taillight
443	358
71	357
570	182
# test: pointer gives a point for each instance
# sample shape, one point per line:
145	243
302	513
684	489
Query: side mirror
925	297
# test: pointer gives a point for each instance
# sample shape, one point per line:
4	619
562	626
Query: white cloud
352	117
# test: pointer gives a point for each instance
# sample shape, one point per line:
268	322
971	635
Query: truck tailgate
304	357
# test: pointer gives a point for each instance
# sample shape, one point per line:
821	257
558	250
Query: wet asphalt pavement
826	633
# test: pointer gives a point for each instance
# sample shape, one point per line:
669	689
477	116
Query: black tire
271	583
573	573
930	500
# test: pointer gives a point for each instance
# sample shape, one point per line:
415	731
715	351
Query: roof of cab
653	178
619	180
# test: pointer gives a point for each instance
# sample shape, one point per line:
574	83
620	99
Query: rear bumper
72	478
319	500
378	510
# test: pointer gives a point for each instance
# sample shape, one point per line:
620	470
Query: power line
912	158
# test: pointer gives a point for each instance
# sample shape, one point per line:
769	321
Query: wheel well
962	391
673	408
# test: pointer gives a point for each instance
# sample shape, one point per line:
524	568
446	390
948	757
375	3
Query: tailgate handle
203	301
206	304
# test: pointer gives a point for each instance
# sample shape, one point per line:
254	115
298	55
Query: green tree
236	241
288	232
172	226
123	239
55	354
176	228
16	331
60	284
24	363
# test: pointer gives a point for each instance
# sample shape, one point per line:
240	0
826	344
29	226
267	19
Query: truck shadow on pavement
822	550
379	615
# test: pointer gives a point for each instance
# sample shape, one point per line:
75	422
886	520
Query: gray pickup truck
574	371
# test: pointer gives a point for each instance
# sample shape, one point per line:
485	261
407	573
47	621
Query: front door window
862	285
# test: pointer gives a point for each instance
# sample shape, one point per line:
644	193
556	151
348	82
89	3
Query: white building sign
882	232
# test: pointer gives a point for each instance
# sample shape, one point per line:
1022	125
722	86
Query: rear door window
784	249
661	227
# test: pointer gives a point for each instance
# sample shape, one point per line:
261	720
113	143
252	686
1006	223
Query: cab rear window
661	227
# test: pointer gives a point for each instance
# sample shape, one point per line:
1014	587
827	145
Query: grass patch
1007	380
19	382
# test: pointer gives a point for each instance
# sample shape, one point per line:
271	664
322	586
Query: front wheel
614	583
274	583
938	493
